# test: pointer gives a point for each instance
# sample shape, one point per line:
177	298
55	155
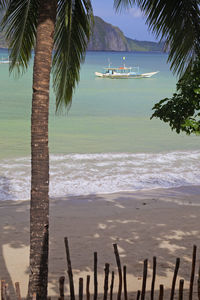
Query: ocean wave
82	174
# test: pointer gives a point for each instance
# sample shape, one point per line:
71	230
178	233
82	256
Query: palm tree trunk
39	211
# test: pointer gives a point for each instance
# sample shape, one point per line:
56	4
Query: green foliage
178	24
72	32
19	23
145	46
135	46
182	111
3	4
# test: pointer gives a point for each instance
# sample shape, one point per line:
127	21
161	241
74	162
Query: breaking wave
82	174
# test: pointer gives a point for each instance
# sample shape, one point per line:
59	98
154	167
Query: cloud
136	12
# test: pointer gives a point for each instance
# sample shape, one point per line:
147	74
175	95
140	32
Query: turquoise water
108	118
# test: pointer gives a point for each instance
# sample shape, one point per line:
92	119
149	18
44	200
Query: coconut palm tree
63	25
175	22
31	23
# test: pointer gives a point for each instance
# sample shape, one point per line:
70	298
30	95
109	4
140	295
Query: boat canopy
118	68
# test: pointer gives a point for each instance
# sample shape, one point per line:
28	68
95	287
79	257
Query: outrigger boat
124	72
4	61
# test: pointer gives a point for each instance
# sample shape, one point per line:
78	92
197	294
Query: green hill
107	37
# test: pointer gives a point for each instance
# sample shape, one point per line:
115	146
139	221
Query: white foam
81	174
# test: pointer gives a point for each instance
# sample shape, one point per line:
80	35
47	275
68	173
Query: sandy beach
162	223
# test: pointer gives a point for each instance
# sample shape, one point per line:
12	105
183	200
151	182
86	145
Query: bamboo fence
122	289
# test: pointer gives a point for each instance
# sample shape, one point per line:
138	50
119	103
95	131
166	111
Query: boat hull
4	62
125	76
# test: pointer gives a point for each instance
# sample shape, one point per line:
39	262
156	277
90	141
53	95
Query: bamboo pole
125	284
138	295
161	292
2	290
198	284
174	278
181	284
81	288
112	285
153	278
144	279
69	271
119	271
61	287
192	271
34	296
95	276
88	288
17	289
7	294
106	281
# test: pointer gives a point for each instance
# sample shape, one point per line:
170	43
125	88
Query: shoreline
169	194
177	195
162	223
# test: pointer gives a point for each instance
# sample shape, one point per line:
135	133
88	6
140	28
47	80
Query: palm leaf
20	23
177	22
73	28
3	4
121	4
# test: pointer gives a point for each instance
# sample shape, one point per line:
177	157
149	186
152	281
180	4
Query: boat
4	61
123	72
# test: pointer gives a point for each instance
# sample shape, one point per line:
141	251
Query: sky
131	21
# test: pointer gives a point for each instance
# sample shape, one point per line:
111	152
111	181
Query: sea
106	142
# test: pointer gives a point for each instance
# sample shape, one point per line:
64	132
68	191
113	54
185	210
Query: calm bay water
106	142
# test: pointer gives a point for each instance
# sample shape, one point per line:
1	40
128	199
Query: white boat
123	72
4	61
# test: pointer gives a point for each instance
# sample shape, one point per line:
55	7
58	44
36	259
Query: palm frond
20	23
73	29
4	4
121	4
178	23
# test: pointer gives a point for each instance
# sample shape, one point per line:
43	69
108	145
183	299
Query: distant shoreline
142	52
